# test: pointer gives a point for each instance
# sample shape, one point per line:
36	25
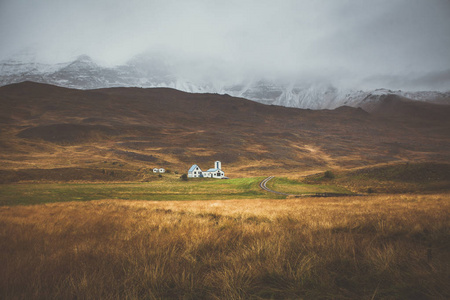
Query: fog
384	43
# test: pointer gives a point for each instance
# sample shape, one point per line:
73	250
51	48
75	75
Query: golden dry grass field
374	247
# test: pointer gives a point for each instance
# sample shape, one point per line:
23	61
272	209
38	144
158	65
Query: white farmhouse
195	172
216	172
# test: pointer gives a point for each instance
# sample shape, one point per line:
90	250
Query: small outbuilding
159	170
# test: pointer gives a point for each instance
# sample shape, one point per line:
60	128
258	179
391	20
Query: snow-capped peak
84	73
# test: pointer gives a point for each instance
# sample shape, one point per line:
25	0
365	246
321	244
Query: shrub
184	177
328	174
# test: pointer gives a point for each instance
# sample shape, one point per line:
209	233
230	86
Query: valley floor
171	187
379	246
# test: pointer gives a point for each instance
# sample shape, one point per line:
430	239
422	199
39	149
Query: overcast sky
373	41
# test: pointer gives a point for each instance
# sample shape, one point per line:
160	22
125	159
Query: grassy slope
170	187
167	188
393	247
401	178
295	187
398	178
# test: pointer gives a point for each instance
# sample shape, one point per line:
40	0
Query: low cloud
345	42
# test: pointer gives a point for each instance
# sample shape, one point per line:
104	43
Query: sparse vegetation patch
396	178
299	188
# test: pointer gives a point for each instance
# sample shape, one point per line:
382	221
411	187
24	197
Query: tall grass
340	248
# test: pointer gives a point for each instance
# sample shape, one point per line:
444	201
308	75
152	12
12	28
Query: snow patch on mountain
147	72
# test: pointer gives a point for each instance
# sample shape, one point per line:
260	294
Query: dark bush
328	174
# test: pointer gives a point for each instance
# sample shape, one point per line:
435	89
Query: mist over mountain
287	52
159	71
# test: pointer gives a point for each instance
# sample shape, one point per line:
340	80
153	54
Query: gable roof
193	168
213	170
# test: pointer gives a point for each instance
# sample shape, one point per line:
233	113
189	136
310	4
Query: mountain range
144	71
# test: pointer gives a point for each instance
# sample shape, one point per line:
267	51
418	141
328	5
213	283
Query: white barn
216	172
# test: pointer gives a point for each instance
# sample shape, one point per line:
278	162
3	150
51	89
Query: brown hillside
396	106
134	129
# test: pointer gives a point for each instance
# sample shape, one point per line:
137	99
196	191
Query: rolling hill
121	133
